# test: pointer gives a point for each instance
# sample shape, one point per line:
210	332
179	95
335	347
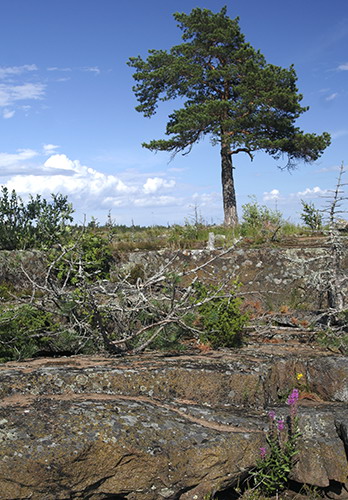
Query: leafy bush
311	216
38	224
220	317
259	217
89	252
27	331
24	331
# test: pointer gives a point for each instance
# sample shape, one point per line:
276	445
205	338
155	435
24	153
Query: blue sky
67	118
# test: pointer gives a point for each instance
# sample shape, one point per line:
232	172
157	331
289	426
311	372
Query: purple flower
293	397
263	453
280	424
271	415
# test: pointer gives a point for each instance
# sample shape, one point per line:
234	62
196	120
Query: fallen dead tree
132	312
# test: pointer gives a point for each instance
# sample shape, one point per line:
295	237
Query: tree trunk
228	191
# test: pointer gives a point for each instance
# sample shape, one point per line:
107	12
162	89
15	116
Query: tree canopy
230	93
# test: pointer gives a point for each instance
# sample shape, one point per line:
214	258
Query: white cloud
9	93
332	168
14	88
88	69
72	177
316	191
49	148
343	67
122	188
206	199
131	193
331	97
28	91
10	71
8	113
55	68
109	201
60	162
155	201
91	69
61	174
63	79
8	159
272	195
152	185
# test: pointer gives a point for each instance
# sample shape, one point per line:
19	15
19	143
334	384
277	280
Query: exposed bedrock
175	427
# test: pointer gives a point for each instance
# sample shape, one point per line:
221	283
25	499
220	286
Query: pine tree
230	93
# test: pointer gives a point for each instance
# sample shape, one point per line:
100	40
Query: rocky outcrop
276	275
159	426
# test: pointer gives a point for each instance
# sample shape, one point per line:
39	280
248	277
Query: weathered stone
274	275
322	457
60	449
152	427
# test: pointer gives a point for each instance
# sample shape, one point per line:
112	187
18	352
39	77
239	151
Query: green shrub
24	331
6	291
90	252
259	217
38	224
311	216
220	316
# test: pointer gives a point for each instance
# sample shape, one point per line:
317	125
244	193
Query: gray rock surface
176	427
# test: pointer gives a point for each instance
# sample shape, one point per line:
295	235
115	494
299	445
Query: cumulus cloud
315	191
272	195
59	173
131	193
154	184
343	67
58	162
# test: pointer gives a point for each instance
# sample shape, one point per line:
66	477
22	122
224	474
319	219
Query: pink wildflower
263	453
271	415
293	397
280	424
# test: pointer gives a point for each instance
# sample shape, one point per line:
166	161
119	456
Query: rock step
158	426
98	445
241	378
282	335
